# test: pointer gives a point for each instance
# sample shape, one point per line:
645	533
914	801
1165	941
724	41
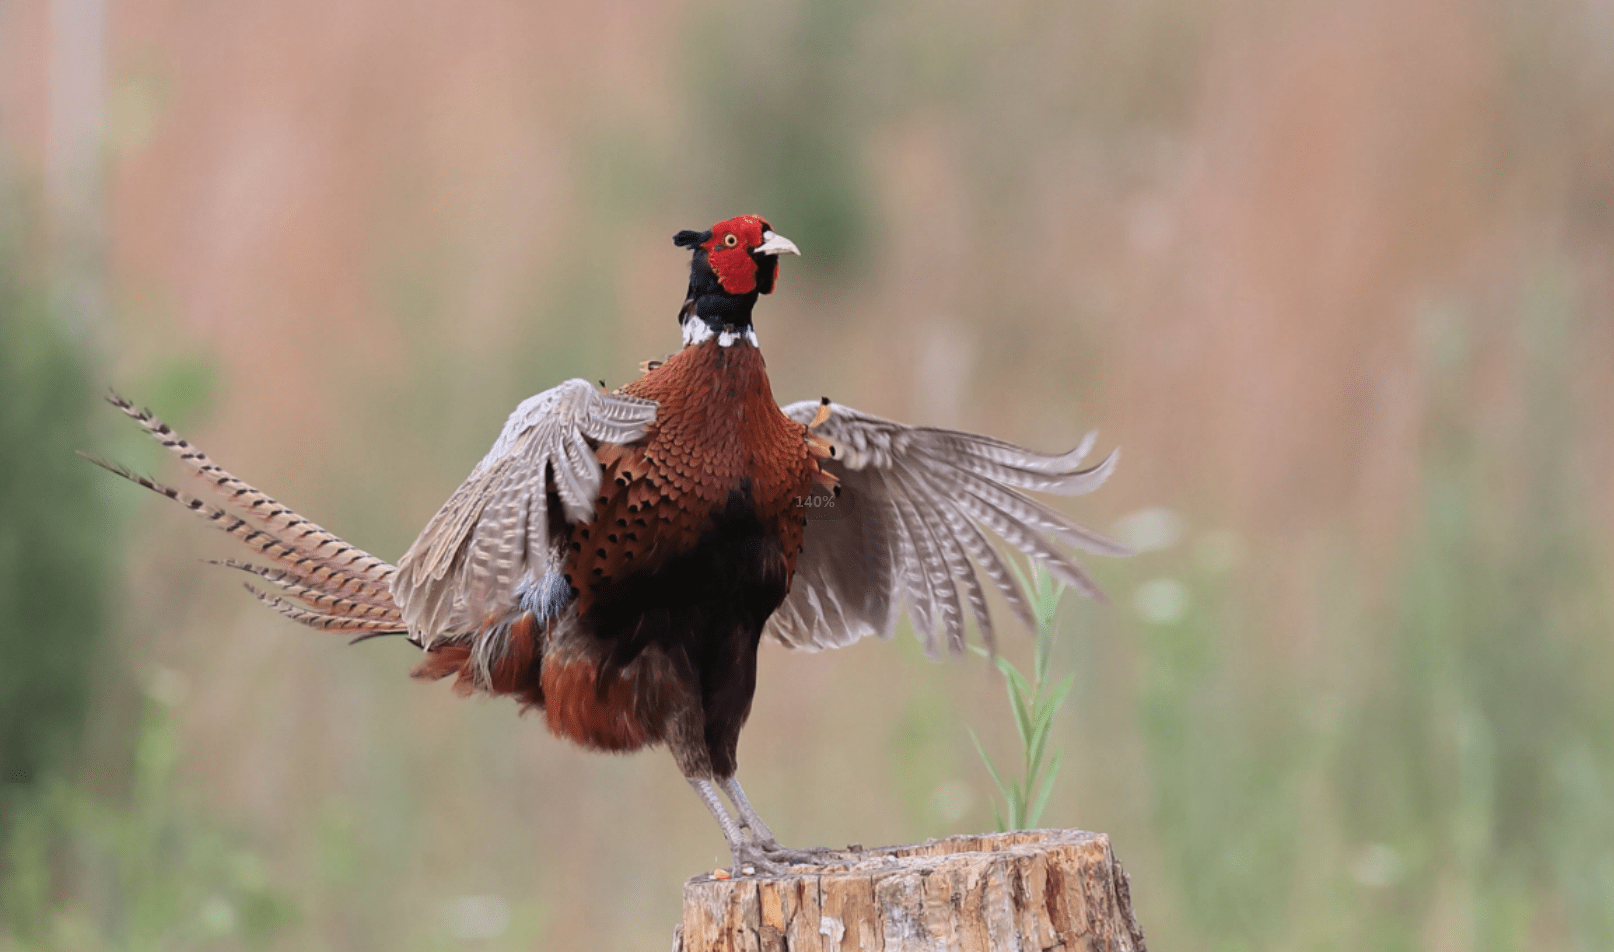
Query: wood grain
1031	891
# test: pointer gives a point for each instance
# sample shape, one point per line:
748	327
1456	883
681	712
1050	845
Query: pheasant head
734	261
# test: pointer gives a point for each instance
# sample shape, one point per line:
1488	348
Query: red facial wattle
728	252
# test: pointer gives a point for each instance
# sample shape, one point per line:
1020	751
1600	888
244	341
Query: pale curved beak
773	244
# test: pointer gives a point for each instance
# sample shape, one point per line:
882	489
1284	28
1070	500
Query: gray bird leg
748	815
731	830
758	852
762	840
748	855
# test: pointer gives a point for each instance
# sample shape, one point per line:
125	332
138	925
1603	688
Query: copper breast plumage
718	431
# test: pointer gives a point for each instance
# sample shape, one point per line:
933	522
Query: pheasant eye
730	240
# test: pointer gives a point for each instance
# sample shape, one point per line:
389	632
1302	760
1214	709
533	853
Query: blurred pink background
1292	257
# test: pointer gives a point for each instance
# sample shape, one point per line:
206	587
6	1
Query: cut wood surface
1031	891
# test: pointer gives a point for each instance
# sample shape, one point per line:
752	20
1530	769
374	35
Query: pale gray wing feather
494	530
907	530
918	513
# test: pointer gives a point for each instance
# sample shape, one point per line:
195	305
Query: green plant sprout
1034	707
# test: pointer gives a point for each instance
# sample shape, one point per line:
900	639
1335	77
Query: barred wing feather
907	530
493	533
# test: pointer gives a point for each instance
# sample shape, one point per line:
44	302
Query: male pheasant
617	557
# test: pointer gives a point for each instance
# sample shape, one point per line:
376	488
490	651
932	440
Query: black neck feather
715	305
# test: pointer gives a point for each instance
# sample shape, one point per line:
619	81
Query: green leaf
1047	788
1018	680
1004	665
1039	667
1018	689
1048	706
989	768
1045	602
1025	584
1034	750
1017	805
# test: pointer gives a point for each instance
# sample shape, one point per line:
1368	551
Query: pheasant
617	557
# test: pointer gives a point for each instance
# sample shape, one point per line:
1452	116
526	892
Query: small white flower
476	917
167	687
1161	601
218	916
953	800
1150	530
1376	865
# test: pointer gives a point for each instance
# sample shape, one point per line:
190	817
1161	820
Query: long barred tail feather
353	605
321	620
311	568
246	500
327	584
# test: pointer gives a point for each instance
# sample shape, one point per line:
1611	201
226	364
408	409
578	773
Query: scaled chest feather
719	443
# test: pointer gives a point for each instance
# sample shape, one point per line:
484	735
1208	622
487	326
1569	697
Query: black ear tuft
690	239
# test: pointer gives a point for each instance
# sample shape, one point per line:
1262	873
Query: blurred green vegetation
782	107
141	871
1443	776
104	858
57	544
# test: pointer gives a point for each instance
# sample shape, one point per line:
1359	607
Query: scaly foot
768	857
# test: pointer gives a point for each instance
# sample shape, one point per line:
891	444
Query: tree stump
1031	891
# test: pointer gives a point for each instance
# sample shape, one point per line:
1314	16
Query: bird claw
769	858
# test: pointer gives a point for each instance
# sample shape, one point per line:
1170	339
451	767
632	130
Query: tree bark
1031	891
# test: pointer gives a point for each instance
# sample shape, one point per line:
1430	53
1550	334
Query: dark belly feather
692	547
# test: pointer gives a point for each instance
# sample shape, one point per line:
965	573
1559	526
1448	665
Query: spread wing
493	534
907	528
